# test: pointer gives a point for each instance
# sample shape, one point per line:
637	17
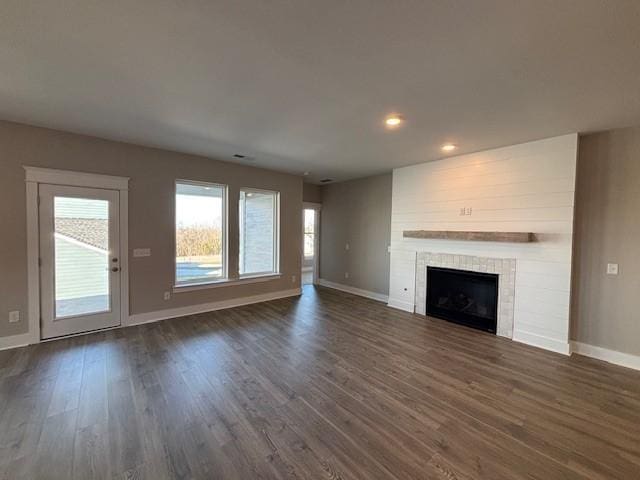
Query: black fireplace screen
468	298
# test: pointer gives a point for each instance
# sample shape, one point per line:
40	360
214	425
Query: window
259	242
200	232
81	250
309	232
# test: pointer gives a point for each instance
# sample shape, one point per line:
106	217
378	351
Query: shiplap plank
520	188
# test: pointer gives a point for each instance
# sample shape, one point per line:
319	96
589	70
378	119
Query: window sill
229	282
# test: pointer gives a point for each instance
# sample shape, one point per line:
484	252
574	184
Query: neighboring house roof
92	231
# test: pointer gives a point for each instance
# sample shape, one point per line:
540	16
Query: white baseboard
156	316
356	291
541	341
401	305
612	356
15	341
24	339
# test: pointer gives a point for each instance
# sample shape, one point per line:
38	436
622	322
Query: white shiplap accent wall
524	188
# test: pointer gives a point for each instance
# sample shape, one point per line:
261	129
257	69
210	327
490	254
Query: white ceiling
304	85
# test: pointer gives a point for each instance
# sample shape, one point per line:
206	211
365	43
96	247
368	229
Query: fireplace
465	297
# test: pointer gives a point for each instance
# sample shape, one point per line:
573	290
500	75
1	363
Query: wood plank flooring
326	386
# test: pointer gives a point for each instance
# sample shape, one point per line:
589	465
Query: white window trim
316	238
225	236
276	239
75	179
226	282
37	175
311	206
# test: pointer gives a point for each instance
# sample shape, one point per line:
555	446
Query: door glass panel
309	232
81	256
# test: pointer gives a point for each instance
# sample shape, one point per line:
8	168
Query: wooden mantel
513	237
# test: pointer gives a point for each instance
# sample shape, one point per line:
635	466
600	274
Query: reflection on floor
324	385
307	278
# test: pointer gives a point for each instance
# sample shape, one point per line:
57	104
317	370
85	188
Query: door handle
115	269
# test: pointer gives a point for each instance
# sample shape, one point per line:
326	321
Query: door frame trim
35	176
316	239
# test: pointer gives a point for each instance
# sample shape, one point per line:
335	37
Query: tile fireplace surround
528	187
504	267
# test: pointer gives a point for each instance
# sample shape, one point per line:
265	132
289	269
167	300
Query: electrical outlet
346	274
466	211
612	268
346	247
167	295
14	317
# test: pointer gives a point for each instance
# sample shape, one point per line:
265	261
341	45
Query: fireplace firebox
464	297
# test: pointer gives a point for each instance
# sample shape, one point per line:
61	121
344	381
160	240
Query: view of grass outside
199	235
198	241
198	251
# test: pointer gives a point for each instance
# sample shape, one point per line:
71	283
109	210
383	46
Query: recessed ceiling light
449	147
393	120
306	174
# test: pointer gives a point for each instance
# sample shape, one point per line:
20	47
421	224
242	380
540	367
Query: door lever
115	269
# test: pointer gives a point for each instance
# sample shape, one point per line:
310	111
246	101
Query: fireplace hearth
465	297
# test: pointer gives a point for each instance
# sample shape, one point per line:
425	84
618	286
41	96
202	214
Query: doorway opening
310	244
79	259
77	241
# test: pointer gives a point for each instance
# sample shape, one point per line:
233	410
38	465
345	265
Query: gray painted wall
357	212
311	193
151	214
605	310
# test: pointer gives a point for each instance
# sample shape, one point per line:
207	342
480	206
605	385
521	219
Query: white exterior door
310	243
79	259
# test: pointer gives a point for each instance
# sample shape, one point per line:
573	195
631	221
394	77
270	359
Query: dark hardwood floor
328	385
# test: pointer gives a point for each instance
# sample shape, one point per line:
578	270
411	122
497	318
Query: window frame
305	233
225	234
276	233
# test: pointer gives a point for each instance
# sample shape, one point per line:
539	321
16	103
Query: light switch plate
14	317
612	268
141	252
